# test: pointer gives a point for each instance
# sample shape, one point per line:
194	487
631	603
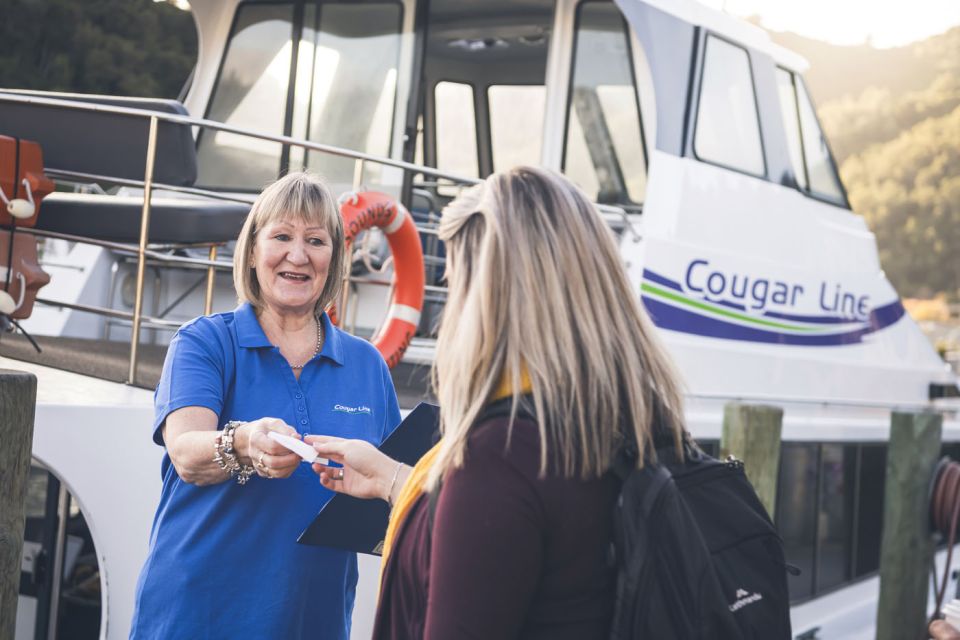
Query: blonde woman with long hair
546	366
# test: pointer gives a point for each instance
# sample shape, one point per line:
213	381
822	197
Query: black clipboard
354	524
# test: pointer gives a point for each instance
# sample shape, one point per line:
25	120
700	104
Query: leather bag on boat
20	274
22	179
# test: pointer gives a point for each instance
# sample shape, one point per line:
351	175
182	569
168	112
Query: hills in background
113	47
892	117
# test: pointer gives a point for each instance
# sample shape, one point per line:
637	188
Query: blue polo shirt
223	560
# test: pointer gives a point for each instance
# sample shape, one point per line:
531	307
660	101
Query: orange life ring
368	209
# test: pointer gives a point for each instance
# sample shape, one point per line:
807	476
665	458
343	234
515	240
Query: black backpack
698	557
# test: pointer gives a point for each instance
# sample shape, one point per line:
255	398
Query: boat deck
59	388
104	359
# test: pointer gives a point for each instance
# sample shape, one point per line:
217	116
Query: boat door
59	576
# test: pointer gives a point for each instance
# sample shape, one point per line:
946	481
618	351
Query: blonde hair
537	287
298	195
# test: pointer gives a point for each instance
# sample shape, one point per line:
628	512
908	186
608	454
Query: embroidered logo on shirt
352	410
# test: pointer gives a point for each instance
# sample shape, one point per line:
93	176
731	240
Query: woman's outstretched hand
367	473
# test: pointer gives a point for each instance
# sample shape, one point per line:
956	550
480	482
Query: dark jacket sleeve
487	548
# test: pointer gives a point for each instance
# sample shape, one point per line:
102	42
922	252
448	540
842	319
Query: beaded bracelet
226	457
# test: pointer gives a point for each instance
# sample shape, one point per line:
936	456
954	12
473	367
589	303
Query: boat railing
143	251
947	406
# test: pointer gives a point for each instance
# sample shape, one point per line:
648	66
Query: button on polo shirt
226	538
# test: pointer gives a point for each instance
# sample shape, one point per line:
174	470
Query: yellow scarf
412	489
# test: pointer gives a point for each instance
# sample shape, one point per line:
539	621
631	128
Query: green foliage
893	120
866	96
116	47
878	114
838	71
909	191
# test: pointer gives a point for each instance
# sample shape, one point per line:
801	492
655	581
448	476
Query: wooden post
752	434
906	547
18	394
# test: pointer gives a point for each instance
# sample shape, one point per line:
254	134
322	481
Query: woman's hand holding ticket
367	472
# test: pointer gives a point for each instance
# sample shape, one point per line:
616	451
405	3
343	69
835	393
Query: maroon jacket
513	555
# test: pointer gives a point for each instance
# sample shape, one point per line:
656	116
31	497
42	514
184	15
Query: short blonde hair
298	195
537	287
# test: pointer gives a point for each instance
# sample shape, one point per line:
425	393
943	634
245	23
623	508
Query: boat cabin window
728	128
343	59
820	167
810	154
516	124
797	513
836	514
871	479
250	93
791	121
354	52
456	131
604	149
830	513
497	48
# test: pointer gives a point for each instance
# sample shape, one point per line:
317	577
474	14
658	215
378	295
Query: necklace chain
316	349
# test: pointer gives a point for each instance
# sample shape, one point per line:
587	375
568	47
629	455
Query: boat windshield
326	72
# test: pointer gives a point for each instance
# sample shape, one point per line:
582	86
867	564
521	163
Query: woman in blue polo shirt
223	558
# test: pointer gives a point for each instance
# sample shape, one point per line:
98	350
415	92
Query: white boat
692	130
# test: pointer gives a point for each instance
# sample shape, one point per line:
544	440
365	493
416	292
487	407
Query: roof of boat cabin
737	29
690	11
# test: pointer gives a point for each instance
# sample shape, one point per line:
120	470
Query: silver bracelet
226	457
393	483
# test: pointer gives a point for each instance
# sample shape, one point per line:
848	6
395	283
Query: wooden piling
18	395
906	548
752	434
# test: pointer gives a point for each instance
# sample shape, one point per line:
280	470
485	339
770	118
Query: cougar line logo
743	599
340	408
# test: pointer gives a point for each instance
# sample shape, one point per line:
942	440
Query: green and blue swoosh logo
671	308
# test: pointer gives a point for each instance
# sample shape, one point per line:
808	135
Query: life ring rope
367	210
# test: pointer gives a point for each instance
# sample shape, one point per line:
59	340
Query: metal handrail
220	126
150	321
833	402
123	247
77	176
617	217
